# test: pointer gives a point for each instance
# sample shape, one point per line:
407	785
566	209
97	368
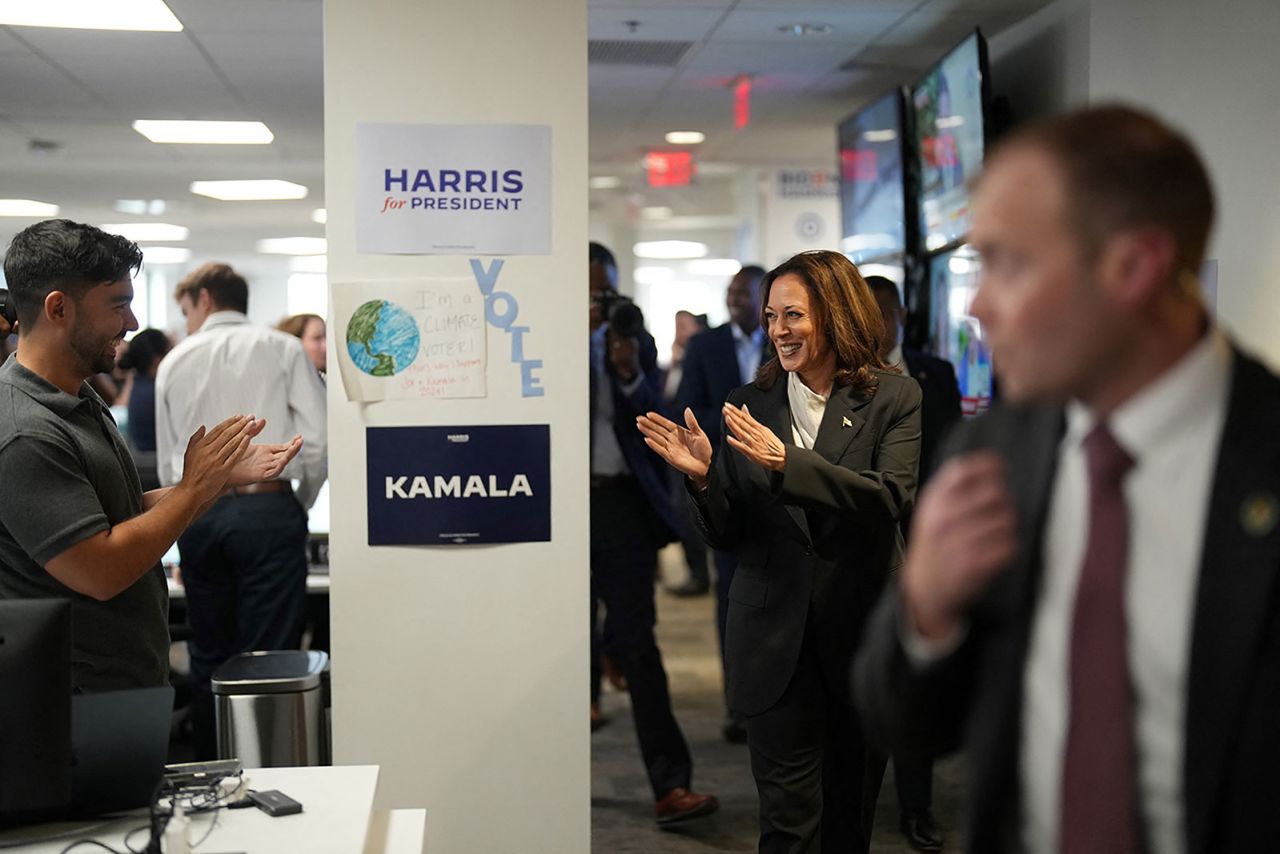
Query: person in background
1090	601
74	521
688	325
244	564
717	362
631	518
310	329
939	412
141	360
816	468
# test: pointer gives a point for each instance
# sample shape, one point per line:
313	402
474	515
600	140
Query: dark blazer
941	408
710	372
820	537
649	470
1231	740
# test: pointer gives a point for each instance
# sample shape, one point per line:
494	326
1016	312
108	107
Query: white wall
1211	69
462	671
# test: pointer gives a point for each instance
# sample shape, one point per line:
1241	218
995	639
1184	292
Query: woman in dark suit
817	466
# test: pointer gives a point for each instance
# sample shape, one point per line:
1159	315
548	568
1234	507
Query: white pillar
462	670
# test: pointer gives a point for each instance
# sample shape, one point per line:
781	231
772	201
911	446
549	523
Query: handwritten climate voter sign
453	189
458	485
416	339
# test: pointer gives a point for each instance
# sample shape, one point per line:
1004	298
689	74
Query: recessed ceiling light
165	254
604	182
320	215
147	231
670	249
26	207
249	191
880	135
141	207
803	29
207	133
714	266
657	212
309	264
685	137
138	15
293	246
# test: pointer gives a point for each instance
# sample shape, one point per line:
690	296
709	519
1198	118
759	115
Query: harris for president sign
453	189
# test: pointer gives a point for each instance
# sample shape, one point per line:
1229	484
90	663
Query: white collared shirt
1172	429
231	367
748	349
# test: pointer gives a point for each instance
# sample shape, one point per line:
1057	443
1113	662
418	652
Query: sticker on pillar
453	189
397	340
458	485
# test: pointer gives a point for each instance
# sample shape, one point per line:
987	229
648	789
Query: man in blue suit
631	518
715	363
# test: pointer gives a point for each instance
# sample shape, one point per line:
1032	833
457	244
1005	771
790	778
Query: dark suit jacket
710	372
941	407
819	537
649	470
1232	735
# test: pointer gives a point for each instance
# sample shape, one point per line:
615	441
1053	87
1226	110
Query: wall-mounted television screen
950	108
957	335
871	190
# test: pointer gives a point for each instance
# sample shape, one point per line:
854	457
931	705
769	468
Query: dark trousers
695	550
817	776
623	558
913	778
244	567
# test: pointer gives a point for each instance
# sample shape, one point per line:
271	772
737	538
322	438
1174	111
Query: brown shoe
682	804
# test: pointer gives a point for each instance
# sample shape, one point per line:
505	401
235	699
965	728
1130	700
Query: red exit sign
669	168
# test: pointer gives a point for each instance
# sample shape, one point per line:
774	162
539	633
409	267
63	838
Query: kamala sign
453	189
457	485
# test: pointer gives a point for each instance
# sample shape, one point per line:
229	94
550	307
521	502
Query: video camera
624	317
7	309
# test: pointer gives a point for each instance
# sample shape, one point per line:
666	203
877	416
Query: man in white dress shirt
1089	596
244	564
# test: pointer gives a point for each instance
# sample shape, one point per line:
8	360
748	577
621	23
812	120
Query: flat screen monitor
956	334
35	708
950	108
872	194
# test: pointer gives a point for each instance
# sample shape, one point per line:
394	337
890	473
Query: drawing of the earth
382	338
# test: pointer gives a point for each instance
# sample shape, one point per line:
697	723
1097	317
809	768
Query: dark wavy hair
844	311
61	255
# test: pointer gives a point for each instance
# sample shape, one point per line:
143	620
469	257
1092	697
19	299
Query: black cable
80	842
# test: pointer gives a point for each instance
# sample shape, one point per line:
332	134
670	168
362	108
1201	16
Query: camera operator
631	518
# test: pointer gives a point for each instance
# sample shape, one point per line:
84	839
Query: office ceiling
69	96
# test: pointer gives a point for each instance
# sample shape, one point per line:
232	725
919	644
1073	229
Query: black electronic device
189	773
8	310
621	313
950	110
119	741
275	803
877	214
35	709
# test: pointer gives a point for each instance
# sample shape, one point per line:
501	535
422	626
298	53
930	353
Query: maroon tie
1099	774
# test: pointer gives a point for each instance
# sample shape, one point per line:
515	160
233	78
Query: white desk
337	818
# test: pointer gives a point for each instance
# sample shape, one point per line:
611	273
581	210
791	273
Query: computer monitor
957	335
872	190
35	708
950	107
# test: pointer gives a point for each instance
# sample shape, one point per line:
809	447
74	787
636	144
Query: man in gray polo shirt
74	521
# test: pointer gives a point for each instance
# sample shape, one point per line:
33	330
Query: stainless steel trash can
270	709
